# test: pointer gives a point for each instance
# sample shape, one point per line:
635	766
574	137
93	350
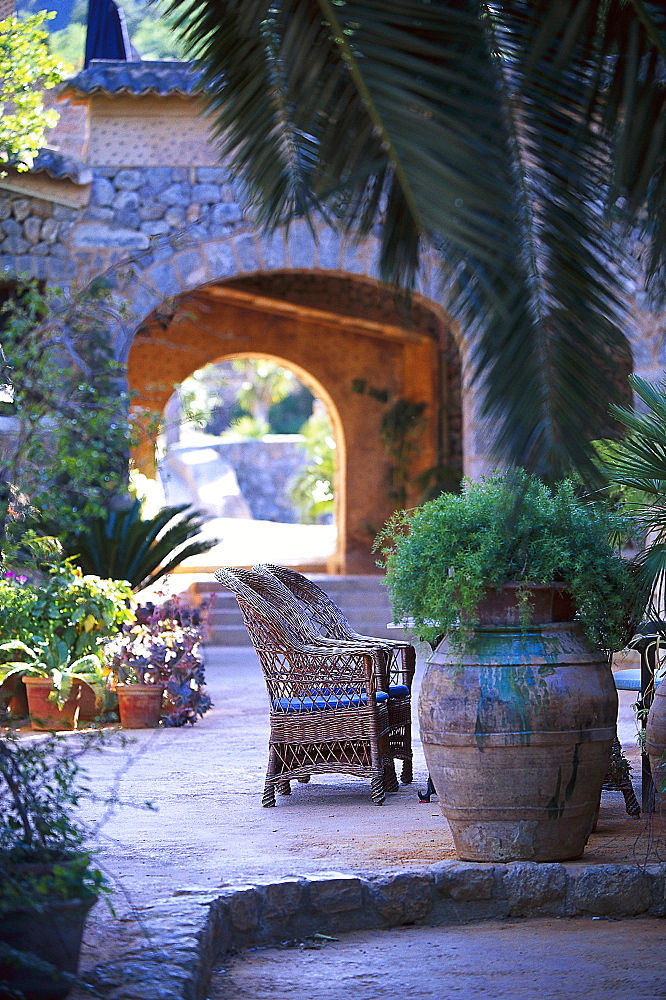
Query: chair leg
304	780
407	773
390	778
283	788
268	798
377	789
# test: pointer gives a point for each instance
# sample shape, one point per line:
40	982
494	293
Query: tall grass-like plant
509	528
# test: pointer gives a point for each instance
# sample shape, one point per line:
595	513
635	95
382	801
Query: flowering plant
163	647
66	606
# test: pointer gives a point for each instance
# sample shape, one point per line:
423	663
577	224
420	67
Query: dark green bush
512	528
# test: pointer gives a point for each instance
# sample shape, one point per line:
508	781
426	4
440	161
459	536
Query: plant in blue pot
524	595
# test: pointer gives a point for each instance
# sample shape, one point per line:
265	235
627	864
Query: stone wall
128	206
265	470
185	935
248	479
46	238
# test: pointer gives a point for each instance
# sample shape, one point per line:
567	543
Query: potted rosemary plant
445	559
522	585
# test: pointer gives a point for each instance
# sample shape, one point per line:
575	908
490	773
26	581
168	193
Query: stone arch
175	267
209	301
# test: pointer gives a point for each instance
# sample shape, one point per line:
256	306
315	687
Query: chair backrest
290	664
325	613
266	627
282	600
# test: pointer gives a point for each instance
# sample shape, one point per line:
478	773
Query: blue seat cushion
397	691
319	704
318	701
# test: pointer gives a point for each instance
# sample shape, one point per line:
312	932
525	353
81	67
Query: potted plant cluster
48	882
521	587
53	629
157	664
56	682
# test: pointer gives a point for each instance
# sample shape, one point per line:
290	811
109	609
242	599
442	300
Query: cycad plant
515	143
122	545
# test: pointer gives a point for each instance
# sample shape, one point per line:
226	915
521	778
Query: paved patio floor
209	828
498	960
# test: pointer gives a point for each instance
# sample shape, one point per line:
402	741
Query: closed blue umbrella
107	36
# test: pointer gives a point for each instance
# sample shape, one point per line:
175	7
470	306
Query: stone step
363	599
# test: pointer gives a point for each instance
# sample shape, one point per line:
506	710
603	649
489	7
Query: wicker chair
328	700
400	657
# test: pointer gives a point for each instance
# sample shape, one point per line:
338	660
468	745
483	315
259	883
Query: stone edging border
187	933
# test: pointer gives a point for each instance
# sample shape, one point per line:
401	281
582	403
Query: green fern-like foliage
512	528
637	466
122	545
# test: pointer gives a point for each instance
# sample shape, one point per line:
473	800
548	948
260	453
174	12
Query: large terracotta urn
517	726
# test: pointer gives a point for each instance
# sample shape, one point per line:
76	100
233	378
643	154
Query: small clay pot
45	714
546	602
140	705
13	694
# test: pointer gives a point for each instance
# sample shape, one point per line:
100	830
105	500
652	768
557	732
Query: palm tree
519	140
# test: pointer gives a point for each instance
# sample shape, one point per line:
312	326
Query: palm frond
623	45
474	127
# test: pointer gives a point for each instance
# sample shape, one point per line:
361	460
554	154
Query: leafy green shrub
441	556
80	611
56	627
66	459
41	787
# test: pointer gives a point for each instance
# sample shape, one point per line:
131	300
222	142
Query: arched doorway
251	442
372	357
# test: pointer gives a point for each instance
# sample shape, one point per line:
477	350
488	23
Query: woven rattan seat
330	621
328	699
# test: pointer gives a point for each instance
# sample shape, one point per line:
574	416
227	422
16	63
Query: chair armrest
338	663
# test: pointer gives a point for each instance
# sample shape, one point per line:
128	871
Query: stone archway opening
252	442
372	356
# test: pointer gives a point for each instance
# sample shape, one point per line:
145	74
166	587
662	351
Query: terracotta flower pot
45	714
140	705
517	729
13	694
547	603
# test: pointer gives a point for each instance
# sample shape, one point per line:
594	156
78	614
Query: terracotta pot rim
140	687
